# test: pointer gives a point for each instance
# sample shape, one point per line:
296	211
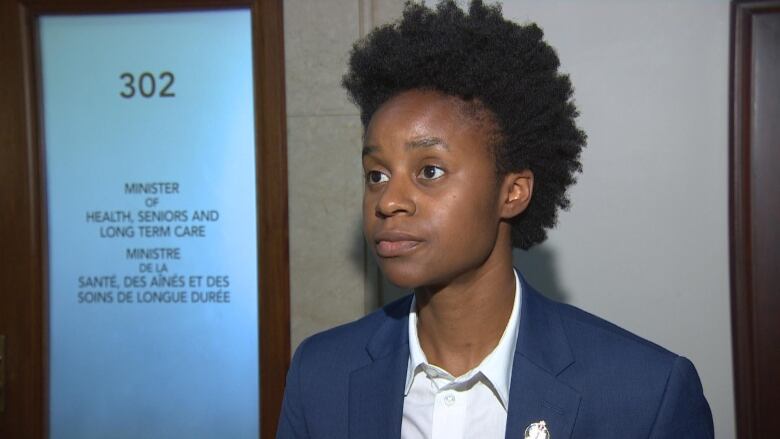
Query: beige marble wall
331	279
385	11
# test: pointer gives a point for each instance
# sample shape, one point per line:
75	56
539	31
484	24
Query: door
144	224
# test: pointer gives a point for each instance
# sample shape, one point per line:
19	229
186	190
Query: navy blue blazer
587	378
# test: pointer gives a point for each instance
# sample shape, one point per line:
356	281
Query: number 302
147	85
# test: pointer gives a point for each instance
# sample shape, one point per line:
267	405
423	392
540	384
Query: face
433	208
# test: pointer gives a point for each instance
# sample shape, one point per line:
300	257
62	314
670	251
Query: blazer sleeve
684	412
292	422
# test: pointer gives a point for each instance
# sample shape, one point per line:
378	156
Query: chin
402	275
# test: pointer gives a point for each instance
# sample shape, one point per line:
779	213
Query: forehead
419	114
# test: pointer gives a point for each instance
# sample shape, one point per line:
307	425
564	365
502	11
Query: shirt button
449	399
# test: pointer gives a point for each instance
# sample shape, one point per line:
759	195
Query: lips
393	244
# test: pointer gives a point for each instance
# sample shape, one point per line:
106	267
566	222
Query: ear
516	191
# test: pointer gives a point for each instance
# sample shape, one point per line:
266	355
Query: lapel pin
537	430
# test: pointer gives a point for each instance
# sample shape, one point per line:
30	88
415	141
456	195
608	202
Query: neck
460	323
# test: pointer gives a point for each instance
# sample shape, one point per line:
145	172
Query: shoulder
619	372
318	381
589	333
615	355
344	346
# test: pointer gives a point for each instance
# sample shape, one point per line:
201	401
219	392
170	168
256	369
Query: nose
396	199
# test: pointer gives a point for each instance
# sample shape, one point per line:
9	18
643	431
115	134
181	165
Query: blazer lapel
376	391
542	353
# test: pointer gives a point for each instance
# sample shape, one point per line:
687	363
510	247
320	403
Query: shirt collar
496	367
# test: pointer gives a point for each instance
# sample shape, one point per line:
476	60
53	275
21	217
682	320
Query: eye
431	172
376	177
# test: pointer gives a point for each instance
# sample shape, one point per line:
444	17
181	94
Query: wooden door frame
743	293
23	283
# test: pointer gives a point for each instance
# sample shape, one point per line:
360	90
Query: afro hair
499	65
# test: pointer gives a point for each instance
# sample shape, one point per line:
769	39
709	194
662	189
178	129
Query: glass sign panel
150	180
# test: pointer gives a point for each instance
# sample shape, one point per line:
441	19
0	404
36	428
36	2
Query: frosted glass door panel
150	180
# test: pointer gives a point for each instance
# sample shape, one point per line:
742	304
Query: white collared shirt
473	405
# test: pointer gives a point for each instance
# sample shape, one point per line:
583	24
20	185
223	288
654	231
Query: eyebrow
424	142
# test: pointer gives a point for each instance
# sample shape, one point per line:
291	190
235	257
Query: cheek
465	218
